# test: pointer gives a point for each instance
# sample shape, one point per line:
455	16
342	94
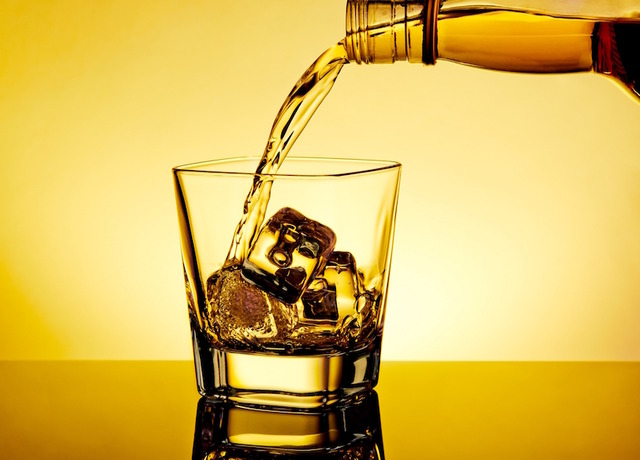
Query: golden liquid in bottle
525	42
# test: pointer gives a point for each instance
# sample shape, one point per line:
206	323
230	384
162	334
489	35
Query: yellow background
518	233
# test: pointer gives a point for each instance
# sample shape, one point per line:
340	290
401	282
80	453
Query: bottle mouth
386	31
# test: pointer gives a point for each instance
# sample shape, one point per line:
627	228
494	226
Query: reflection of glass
296	321
227	430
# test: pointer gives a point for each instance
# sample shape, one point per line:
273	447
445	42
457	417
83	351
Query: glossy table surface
428	410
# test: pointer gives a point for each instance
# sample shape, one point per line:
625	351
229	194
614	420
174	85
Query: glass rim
212	166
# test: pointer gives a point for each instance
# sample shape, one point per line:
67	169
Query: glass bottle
511	35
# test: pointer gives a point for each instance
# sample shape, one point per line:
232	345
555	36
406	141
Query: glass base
300	382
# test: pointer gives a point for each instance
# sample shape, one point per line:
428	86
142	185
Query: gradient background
518	233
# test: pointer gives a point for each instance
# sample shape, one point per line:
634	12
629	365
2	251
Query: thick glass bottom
300	382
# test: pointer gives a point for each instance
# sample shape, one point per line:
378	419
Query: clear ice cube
244	315
319	301
333	295
242	311
288	253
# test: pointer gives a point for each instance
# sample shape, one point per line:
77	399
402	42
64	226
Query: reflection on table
228	430
427	410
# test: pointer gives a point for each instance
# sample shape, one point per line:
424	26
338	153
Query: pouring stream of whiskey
296	111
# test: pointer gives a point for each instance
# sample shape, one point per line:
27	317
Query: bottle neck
386	31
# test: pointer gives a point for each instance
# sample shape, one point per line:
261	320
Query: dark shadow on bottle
228	430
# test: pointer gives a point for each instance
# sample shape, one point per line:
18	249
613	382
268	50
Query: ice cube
241	312
319	301
333	295
288	253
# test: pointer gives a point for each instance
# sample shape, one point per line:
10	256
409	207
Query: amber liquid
518	41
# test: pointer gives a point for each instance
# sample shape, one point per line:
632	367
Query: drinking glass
296	320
